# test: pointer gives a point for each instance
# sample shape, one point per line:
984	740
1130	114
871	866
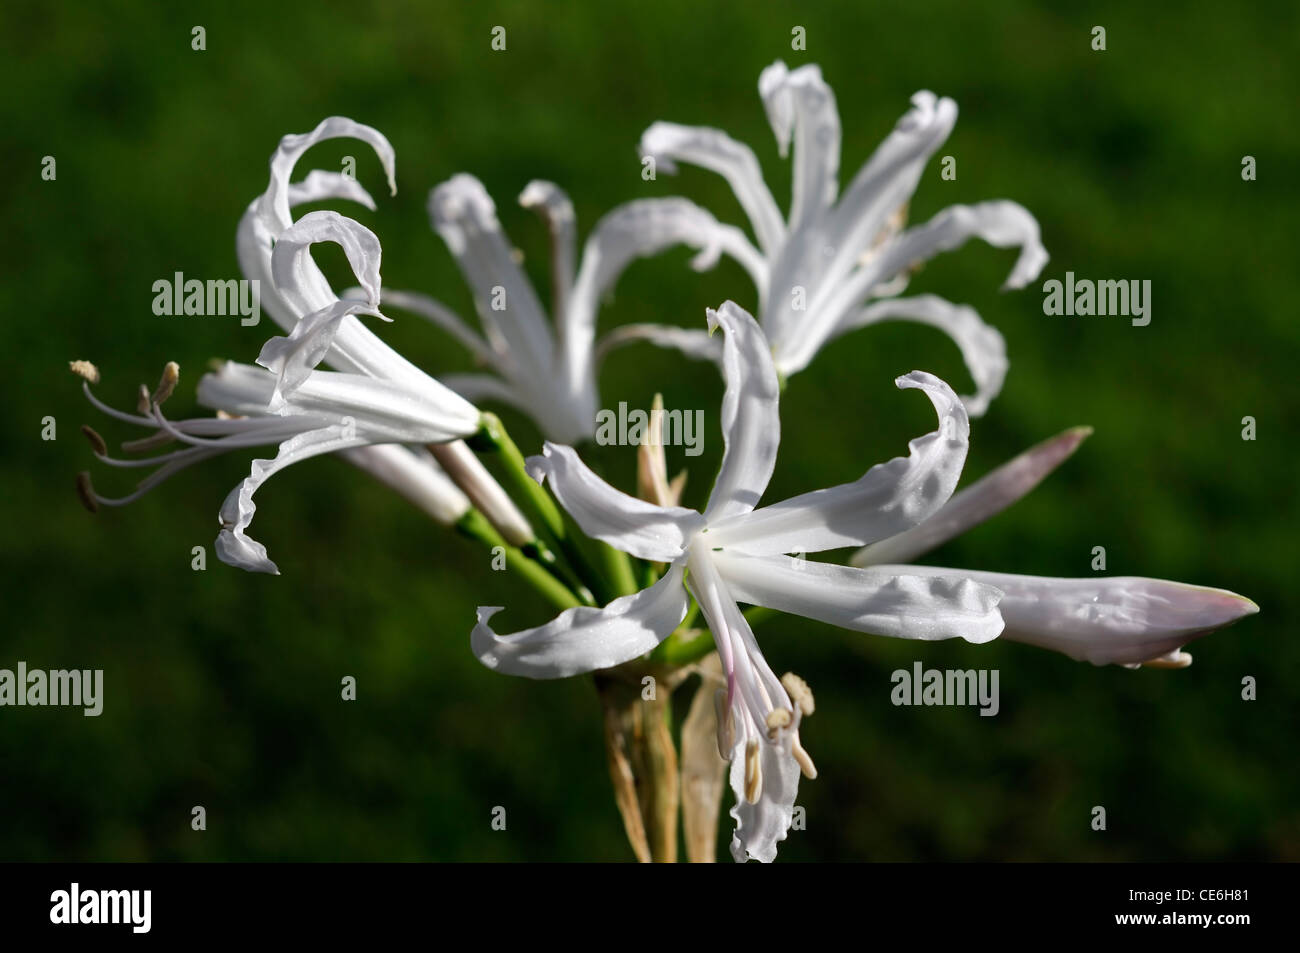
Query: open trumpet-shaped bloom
548	370
734	552
819	268
1125	620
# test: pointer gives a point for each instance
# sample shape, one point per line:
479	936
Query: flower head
735	551
838	260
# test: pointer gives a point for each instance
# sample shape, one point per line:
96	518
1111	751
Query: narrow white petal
711	149
1124	620
651	532
636	230
464	215
894	603
234	547
888	499
969	507
801	106
1002	224
751	422
553	204
585	639
298	282
886	181
480	387
697	345
981	345
442	317
274	205
380	410
412	472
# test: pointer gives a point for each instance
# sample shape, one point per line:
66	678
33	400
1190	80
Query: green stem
476	526
493	436
619	566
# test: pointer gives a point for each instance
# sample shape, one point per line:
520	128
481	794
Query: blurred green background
222	689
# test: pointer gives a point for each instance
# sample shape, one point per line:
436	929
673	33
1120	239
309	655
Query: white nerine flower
376	397
818	269
548	371
733	553
328	412
1126	620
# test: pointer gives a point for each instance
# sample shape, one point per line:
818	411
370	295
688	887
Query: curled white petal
800	105
274	205
751	422
697	345
982	346
711	149
635	230
233	545
886	500
651	532
969	507
585	639
1002	224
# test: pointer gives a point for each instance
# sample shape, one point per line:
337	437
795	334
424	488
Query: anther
85	370
726	726
753	773
86	492
777	719
170	375
96	441
803	760
799	692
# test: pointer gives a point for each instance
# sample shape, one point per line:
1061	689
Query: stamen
799	692
151	442
726	725
85	370
96	441
86	492
753	773
142	399
170	375
112	411
777	719
802	759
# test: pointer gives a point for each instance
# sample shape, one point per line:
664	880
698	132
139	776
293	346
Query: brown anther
86	492
96	441
726	725
142	400
85	370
